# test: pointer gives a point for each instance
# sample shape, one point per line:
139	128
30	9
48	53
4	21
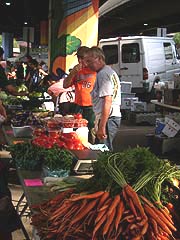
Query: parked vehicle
142	60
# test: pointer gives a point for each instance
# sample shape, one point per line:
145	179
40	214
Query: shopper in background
20	71
106	97
83	80
5	83
35	75
27	67
62	97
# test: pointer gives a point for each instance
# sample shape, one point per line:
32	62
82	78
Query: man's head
28	58
95	58
1	52
81	54
33	63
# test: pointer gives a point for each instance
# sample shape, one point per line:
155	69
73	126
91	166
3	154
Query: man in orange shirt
83	80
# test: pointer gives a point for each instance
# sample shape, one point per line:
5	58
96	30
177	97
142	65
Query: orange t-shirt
84	83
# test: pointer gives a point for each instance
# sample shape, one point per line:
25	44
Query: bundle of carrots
106	215
99	216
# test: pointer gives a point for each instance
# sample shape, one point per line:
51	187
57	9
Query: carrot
102	200
144	229
142	221
110	232
90	217
120	210
120	229
105	206
154	226
136	238
133	195
61	210
109	220
132	207
164	219
150	211
161	237
114	204
163	215
84	211
98	225
100	215
89	196
167	215
61	196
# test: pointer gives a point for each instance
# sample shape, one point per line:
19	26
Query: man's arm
101	133
2	110
68	81
13	91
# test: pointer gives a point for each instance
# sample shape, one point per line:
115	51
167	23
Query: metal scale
83	160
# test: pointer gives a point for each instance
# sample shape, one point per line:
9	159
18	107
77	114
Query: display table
34	194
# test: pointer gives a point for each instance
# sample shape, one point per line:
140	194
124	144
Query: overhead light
8	3
145	24
25	23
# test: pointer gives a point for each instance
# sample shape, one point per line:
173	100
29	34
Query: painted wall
73	23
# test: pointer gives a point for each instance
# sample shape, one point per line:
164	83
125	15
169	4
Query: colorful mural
75	25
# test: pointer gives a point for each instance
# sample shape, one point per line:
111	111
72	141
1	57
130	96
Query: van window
111	54
130	53
168	51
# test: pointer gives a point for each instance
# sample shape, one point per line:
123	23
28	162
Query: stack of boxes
127	98
172	92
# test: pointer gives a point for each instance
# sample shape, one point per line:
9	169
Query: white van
142	60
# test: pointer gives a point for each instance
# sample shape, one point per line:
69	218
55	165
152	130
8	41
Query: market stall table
34	194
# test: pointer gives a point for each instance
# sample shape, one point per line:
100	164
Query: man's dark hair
34	62
1	51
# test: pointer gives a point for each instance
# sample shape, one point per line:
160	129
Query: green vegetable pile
56	158
138	167
28	156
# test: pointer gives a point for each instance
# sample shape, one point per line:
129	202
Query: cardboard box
176	77
159	126
126	87
174	124
171	128
174	84
169	131
126	103
171	96
138	106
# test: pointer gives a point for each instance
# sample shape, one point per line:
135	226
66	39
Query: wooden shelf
163	105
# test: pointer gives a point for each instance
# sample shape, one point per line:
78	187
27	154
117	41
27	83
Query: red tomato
78	146
78	116
70	145
53	134
71	136
48	145
60	144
